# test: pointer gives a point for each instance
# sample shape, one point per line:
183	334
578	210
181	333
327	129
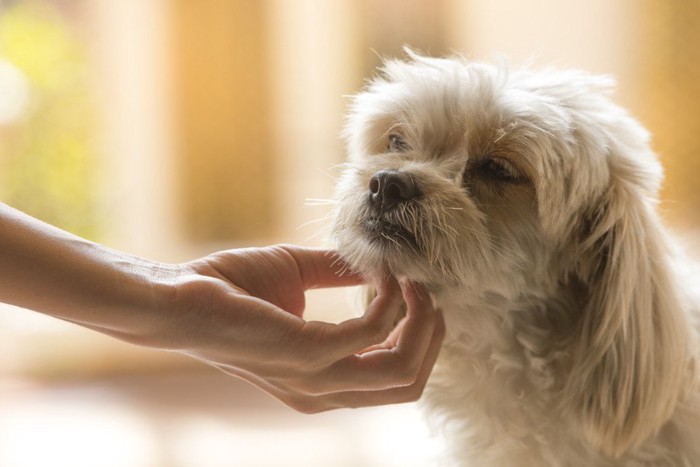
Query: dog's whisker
320	202
340	166
343	270
391	239
326	174
314	221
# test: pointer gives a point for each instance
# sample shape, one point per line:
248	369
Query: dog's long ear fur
632	351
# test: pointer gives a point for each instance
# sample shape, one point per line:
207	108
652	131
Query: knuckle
405	380
414	393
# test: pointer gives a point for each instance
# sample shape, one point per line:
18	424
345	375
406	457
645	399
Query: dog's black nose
388	188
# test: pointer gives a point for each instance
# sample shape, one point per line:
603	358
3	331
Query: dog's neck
505	359
530	327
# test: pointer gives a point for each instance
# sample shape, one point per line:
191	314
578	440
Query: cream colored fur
572	316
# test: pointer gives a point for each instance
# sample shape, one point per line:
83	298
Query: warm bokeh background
170	128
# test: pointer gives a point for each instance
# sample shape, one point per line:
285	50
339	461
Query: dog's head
471	177
464	174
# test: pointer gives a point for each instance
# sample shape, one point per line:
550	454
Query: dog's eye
397	143
500	169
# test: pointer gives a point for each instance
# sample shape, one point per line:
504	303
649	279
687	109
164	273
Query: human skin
238	310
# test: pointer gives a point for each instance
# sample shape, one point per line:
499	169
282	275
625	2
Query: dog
525	201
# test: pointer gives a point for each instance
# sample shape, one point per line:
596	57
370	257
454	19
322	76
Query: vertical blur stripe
670	103
222	119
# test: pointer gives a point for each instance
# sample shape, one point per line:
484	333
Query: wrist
138	306
51	271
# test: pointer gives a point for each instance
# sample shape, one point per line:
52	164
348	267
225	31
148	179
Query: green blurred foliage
47	162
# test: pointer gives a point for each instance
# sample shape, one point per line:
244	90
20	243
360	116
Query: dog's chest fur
497	392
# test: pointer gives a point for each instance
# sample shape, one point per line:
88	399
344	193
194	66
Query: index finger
336	341
398	364
321	268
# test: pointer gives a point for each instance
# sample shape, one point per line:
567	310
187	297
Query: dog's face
465	175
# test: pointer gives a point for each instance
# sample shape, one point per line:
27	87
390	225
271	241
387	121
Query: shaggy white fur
525	200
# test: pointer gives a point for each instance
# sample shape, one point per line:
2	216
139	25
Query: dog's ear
631	352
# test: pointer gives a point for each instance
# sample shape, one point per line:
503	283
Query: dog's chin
387	234
380	248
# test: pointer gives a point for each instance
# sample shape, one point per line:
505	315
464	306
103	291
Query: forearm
51	271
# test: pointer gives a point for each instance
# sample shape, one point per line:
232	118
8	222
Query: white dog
525	201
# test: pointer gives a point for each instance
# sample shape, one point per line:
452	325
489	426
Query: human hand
242	311
239	310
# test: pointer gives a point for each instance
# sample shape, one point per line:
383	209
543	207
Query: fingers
396	362
322	268
397	395
310	403
398	365
332	342
393	371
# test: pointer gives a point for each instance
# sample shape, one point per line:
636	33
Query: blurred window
47	165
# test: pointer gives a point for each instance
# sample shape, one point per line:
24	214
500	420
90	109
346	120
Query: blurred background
172	128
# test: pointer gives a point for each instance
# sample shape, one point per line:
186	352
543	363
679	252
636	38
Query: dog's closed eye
498	169
397	143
